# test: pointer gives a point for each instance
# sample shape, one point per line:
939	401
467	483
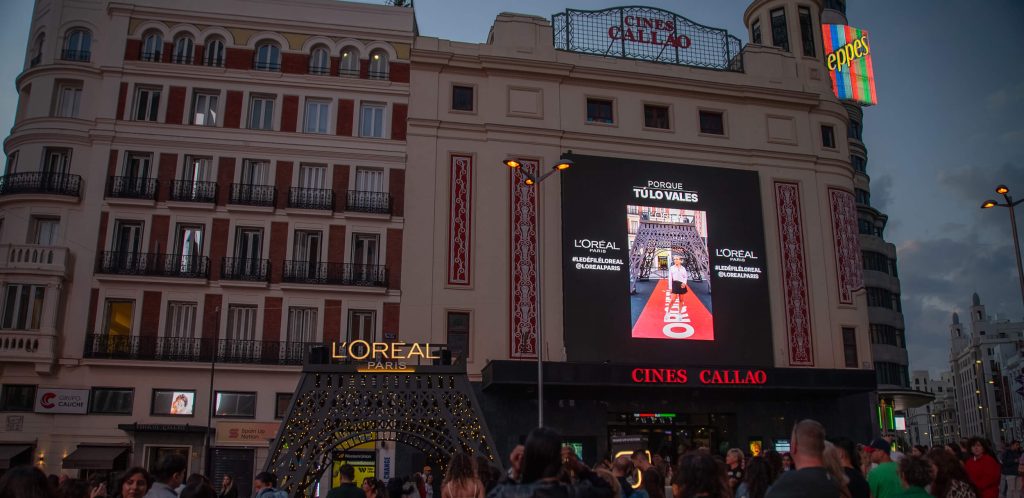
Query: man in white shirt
677	280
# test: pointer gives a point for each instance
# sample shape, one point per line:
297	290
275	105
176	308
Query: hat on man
878	444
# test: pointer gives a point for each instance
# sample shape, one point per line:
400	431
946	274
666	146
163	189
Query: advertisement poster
182	403
69	401
362	457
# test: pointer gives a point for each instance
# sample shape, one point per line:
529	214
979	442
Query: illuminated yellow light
529	181
988	204
512	163
376	57
563	165
1002	190
385	370
639	475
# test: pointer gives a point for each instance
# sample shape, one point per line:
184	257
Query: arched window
320	61
37	50
77	45
184	48
268	57
152	46
349	64
213	54
378	65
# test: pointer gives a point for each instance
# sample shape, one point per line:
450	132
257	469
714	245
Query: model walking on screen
677	279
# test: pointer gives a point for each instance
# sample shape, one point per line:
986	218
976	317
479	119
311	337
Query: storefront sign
62	401
705	376
247	433
848	58
394	357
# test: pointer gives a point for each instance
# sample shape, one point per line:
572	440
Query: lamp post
1010	204
533	180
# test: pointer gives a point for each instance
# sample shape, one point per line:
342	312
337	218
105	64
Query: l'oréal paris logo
664	191
595	245
735	254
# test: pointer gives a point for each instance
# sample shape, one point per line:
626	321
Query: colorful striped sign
848	58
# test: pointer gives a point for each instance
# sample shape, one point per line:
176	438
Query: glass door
188	248
306	253
248	251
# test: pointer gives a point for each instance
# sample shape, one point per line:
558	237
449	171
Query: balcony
33	259
266	65
253	195
349	72
368	202
311	198
203	350
150	56
27	347
153	264
249	270
190	191
181	59
41	183
128	187
310	272
75	55
320	70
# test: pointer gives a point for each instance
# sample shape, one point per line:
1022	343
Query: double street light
532	179
1010	204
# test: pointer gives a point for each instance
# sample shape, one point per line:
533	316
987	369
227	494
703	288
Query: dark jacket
1009	461
588	486
346	490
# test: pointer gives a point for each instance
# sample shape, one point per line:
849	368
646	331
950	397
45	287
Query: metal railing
350	73
190	191
368	202
378	75
204	350
213	61
320	70
253	195
130	187
181	59
311	198
247	269
153	264
151	56
314	272
41	183
75	55
266	66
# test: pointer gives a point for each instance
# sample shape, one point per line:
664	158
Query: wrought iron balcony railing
253	195
190	191
41	183
349	73
129	187
154	56
378	75
252	270
266	66
181	59
196	349
314	272
311	198
153	264
75	55
368	202
320	70
213	61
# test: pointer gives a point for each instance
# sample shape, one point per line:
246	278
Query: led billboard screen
848	58
663	263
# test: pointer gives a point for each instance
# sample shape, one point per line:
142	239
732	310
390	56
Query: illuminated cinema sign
384	357
848	58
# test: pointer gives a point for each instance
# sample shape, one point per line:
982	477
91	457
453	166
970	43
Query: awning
12	455
97	458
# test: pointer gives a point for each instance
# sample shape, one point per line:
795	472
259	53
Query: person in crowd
428	483
462	478
25	482
699	475
515	464
1010	462
834	464
849	457
983	468
75	488
756	479
916	473
774	459
543	463
965	448
884	478
950	477
198	489
622	469
264	486
134	483
734	470
227	487
394	487
421	484
347	487
607	476
810	479
918	450
409	489
652	479
954	449
787	462
168	475
54	481
487	474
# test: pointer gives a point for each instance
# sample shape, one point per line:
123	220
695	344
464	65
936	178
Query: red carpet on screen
694	323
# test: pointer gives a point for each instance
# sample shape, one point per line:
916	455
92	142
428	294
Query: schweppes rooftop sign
848	58
385	357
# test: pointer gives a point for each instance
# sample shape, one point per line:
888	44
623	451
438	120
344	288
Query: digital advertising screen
663	263
848	59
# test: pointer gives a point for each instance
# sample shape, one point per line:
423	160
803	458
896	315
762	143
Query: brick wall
175	105
345	109
133	50
399	115
233	110
396	186
394	258
112	163
238	58
165	174
390	322
339	182
160	227
294	63
398	72
218	245
332	320
225	175
289	113
336	244
278	248
94	302
211	316
122	96
283	180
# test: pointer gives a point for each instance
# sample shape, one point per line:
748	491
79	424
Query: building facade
193	197
934	423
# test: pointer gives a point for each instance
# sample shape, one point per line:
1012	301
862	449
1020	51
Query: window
887	335
865	227
232	404
77	46
147	104
458	336
317	114
599	111
254	172
181	319
371	120
891	374
850	347
712	123
23	306
268	57
301	325
43	230
69	95
213	54
755	32
859	164
261	113
365	248
882	298
361	326
369	179
828	137
241	322
349	64
184	48
875	261
37	50
282	402
780	33
806	30
462	98
306	252
57	161
152	46
173	402
111	400
378	65
862	196
188	248
17	397
12	162
855	130
204	108
656	116
118	319
320	62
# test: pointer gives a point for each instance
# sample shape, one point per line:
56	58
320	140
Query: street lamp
1010	204
531	179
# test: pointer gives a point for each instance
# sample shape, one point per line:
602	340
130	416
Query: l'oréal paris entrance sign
648	34
385	357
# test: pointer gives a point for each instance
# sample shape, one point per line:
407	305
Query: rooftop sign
647	34
848	58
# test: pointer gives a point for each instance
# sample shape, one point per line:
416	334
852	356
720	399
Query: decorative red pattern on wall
524	299
849	271
460	227
794	274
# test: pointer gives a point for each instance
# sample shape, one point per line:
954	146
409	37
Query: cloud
1005	96
881	191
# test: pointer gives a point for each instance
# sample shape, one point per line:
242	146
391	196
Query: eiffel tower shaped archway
337	407
681	238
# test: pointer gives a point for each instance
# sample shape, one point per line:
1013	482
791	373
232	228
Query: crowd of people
816	467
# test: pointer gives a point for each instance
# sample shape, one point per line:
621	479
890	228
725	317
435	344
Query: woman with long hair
983	468
543	464
757	479
951	480
25	482
833	460
461	480
699	475
774	460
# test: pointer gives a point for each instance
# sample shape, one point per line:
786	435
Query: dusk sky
945	132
